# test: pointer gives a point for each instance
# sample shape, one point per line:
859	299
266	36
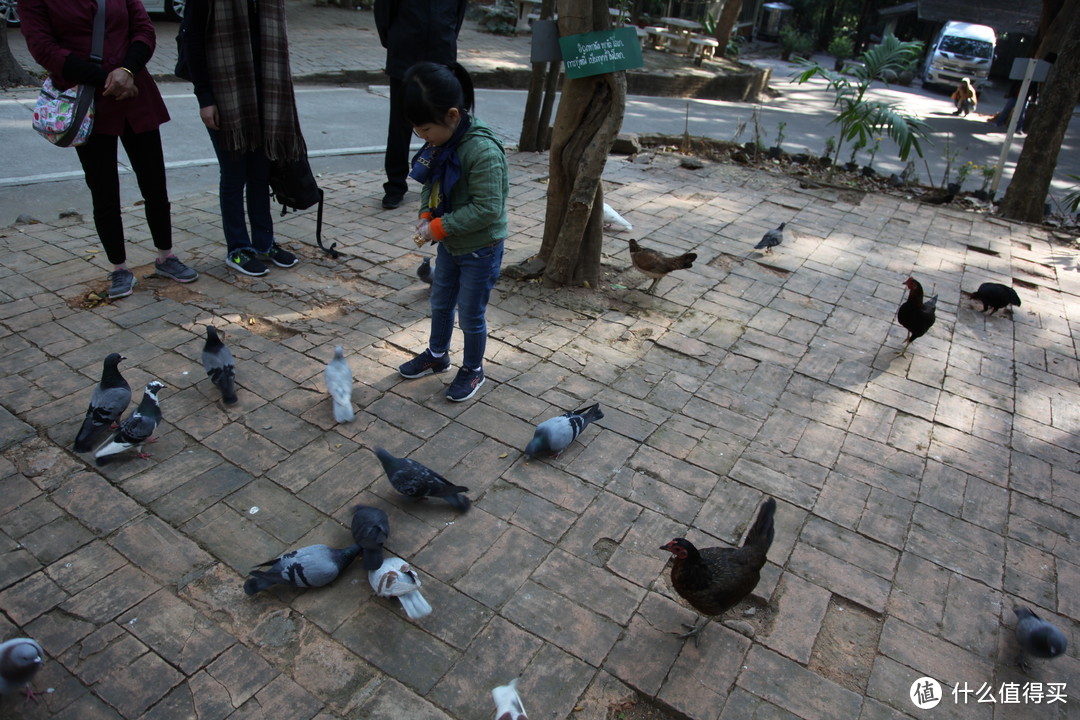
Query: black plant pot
825	161
851	166
800	158
952	188
868	171
775	153
983	195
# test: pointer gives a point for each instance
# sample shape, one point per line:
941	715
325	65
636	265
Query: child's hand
423	229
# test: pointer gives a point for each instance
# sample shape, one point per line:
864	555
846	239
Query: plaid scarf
440	167
254	112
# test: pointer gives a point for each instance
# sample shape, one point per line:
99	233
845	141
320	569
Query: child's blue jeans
463	282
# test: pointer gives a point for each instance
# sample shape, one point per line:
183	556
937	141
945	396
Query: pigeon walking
1037	637
424	271
20	659
370	528
771	239
996	296
218	362
339	383
396	578
137	429
615	221
108	403
553	436
415	480
507	702
309	567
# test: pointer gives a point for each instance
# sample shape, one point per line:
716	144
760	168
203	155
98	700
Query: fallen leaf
504	455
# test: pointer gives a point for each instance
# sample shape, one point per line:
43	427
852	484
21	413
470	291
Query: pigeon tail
85	439
415	605
592	413
259	581
226	383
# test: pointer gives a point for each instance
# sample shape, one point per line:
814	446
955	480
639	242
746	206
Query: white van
960	50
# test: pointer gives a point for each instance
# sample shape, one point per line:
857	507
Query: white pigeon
507	702
396	578
20	659
615	221
137	429
339	383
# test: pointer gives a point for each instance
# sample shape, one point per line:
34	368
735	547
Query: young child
462	210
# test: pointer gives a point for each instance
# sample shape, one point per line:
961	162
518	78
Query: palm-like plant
861	119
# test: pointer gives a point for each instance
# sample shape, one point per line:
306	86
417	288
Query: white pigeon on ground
339	383
553	436
137	429
615	221
109	401
20	659
507	702
396	578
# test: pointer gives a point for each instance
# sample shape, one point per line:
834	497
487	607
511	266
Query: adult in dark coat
411	31
127	105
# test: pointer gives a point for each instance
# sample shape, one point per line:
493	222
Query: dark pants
398	138
245	180
98	158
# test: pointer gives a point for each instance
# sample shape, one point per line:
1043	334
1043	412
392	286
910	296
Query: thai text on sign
600	52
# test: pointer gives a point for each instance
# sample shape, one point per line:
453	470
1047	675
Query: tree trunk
725	25
11	72
534	124
1025	198
589	117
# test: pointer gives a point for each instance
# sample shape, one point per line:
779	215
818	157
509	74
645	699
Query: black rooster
915	315
714	580
657	265
996	296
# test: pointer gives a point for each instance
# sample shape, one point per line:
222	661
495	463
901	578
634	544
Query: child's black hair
432	89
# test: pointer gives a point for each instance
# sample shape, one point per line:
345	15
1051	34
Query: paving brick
843	578
31	597
577	630
643	656
792	687
528	511
957	545
587	585
85	566
241	672
700	680
801	609
497	574
200	492
132	689
182	636
932	655
56	539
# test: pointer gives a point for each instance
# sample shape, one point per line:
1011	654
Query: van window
966	46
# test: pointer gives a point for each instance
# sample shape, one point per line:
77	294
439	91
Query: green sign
601	52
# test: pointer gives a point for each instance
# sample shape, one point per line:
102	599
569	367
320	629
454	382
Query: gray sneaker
173	268
121	283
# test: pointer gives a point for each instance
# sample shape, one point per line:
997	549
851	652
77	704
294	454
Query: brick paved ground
919	497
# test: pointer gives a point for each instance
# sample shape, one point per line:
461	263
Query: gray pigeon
109	401
507	702
218	362
555	435
370	528
309	567
137	429
1037	637
415	480
339	383
20	659
424	271
771	239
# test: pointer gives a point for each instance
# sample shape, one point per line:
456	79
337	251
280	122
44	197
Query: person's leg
258	201
98	158
398	137
479	271
231	186
147	160
445	288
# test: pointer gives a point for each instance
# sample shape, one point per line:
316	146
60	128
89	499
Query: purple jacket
55	29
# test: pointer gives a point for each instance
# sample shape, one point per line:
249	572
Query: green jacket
478	202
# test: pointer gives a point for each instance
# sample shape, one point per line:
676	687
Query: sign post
603	51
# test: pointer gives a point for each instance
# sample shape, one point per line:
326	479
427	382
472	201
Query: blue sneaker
465	384
121	283
423	364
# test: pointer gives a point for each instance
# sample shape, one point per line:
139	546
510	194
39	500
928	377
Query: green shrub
841	47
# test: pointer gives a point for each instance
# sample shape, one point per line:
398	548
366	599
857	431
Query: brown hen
714	580
657	265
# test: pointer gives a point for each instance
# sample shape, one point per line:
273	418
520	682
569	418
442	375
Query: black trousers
99	162
398	138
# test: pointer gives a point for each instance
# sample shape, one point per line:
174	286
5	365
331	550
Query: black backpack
293	185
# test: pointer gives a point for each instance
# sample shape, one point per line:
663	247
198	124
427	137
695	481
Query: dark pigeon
415	480
137	429
1037	637
108	403
308	567
218	362
424	271
370	528
555	435
771	239
20	659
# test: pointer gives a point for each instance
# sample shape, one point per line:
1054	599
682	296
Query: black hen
714	580
915	315
996	296
657	265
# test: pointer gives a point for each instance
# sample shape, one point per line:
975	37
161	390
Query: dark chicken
915	315
657	265
714	580
996	296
